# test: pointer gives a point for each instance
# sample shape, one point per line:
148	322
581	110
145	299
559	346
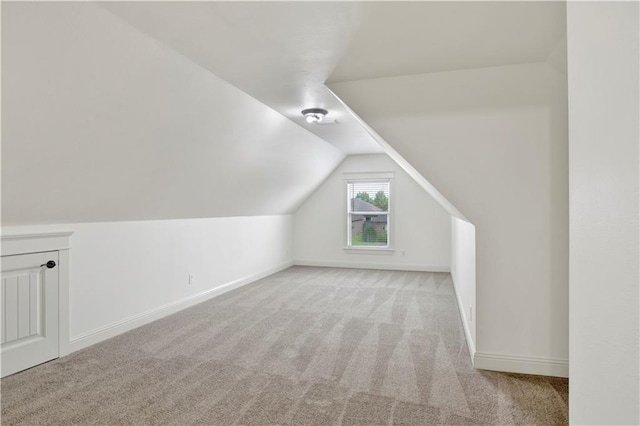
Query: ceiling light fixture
314	115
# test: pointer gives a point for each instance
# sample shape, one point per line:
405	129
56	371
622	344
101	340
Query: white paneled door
29	304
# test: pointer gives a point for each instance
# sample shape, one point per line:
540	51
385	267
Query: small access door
29	322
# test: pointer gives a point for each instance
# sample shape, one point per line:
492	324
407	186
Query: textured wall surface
604	111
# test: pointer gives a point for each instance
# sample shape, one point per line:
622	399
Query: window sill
369	250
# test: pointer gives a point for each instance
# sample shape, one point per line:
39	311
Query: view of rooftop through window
368	212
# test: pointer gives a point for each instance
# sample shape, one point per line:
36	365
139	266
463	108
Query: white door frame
49	241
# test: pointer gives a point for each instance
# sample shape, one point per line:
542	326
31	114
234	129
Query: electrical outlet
191	279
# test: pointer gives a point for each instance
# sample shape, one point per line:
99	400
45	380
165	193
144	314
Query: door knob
50	264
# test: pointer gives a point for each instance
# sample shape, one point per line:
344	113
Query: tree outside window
368	213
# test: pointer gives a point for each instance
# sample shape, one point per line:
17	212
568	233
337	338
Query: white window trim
355	177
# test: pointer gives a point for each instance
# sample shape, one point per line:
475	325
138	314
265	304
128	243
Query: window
368	203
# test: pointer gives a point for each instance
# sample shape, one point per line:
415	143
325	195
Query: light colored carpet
304	346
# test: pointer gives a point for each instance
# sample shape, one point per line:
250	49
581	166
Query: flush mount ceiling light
314	115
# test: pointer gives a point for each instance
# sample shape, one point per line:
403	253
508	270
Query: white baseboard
372	265
465	322
522	364
103	333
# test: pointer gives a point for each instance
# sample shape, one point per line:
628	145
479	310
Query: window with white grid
368	203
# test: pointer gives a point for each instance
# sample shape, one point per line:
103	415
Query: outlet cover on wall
191	279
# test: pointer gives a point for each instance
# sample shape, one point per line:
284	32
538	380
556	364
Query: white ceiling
282	53
100	122
402	38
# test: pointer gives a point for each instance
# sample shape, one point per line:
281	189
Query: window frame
369	177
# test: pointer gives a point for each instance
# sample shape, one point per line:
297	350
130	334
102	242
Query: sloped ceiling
403	38
282	53
101	123
155	110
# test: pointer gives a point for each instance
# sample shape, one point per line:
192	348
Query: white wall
101	122
421	228
493	141
123	274
604	111
463	272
